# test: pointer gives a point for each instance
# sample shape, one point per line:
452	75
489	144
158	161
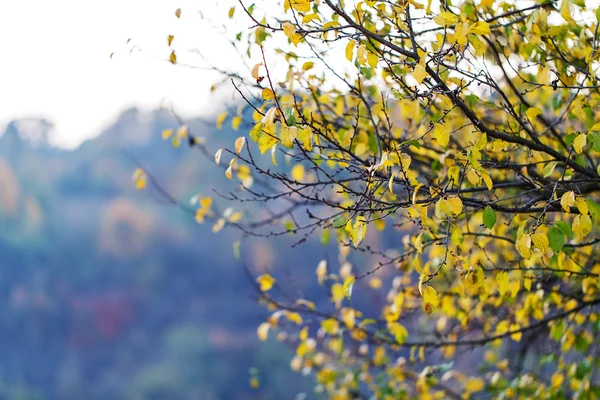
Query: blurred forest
110	293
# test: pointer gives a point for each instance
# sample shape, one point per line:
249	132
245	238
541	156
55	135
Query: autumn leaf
239	144
266	282
441	133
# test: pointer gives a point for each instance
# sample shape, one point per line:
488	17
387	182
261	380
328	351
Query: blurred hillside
110	293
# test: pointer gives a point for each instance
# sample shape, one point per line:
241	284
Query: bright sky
56	64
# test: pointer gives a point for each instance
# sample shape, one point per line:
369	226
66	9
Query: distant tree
470	133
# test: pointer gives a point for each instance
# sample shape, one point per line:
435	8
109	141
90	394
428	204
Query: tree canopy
467	133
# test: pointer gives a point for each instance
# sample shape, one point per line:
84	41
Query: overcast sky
56	64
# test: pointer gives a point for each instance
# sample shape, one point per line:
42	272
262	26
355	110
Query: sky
56	61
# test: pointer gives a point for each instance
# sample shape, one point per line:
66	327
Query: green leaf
594	209
256	132
547	359
570	138
290	119
557	330
556	239
581	344
325	236
595	141
411	143
489	217
549	168
348	286
565	229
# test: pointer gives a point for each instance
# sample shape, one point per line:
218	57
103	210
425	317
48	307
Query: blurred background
107	292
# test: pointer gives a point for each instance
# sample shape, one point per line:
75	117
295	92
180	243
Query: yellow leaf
173	57
350	51
290	32
305	135
372	60
487	180
540	241
419	243
533	112
456	235
481	142
446	19
567	200
310	17
206	202
460	33
273	152
582	226
178	13
287	135
229	171
399	331
517	335
565	10
137	174
474	385
441	134
596	127
375	283
452	206
307	65
299	5
478	45
359	231
182	131
582	205
337	293
580	142
266	142
266	282
263	331
557	380
544	76
239	144
361	54
255	71
269	118
391	183
221	119
321	271
235	122
502	282
218	156
267	94
419	73
231	12
480	28
170	39
524	246
167	133
218	225
348	286
330	326
297	172
140	179
430	299
235	217
294	317
289	29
